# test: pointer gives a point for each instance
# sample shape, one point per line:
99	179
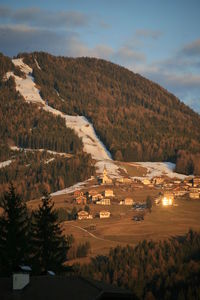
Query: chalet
194	190
196	182
104	201
127	201
194	195
167	199
78	194
188	181
108	193
179	191
104	214
177	181
157	180
158	200
146	181
97	197
81	200
84	215
124	180
92	192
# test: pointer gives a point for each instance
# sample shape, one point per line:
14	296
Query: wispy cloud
126	55
192	49
178	73
148	33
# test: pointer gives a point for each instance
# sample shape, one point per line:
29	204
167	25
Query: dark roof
62	288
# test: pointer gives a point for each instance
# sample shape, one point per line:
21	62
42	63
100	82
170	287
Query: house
105	178
77	194
81	200
146	181
127	201
196	181
124	180
194	195
97	197
194	190
104	201
167	199
104	214
157	180
179	191
92	192
108	193
158	200
84	215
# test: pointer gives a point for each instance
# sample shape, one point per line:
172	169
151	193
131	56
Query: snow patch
73	188
15	148
36	62
4	164
49	160
26	86
157	169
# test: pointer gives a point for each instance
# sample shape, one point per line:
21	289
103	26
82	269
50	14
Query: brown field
121	229
162	222
133	170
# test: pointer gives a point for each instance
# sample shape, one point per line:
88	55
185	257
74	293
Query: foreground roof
62	288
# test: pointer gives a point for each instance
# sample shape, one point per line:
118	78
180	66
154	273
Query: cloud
126	55
22	38
192	49
43	18
148	33
5	12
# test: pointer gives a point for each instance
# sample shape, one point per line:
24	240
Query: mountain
135	118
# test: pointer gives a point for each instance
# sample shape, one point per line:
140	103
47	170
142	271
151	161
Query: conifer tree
14	233
49	245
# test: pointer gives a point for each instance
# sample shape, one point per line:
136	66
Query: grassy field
161	223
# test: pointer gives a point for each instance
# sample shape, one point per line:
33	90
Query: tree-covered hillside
167	270
27	126
136	119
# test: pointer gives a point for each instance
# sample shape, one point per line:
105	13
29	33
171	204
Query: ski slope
82	127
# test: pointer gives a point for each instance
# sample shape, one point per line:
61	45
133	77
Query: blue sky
158	39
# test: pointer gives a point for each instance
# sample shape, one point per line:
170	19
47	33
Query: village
163	191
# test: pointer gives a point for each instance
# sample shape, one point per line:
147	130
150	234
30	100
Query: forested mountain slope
27	126
135	118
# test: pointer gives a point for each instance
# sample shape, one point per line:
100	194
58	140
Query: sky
158	39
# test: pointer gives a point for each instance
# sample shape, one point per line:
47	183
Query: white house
104	214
